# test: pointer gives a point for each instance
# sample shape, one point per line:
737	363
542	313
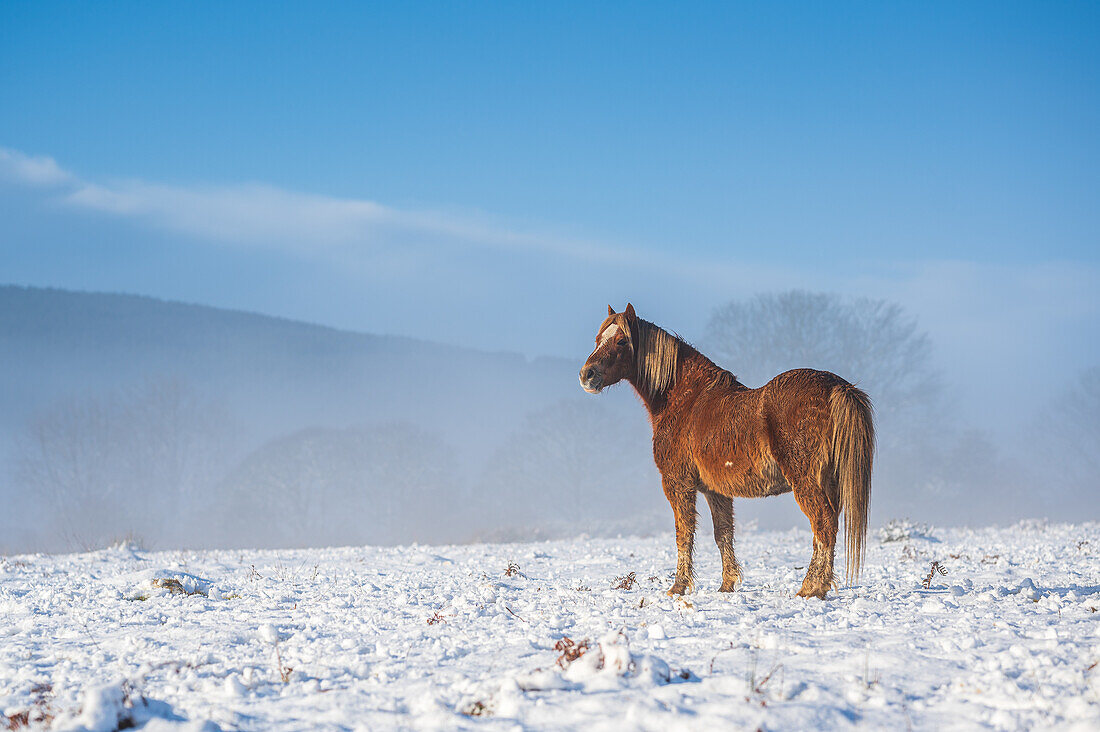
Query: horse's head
613	359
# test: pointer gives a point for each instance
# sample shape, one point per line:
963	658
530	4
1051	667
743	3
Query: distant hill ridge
278	374
65	308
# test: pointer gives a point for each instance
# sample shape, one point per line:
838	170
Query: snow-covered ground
464	636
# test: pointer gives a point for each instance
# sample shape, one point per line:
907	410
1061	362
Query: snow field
464	636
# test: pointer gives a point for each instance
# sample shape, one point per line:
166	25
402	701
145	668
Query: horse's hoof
730	585
680	589
819	593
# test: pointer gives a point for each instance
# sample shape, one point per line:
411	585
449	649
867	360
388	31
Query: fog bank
189	426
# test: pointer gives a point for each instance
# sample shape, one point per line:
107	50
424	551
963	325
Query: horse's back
804	382
799	393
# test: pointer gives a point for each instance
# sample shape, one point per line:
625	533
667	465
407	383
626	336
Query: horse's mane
655	356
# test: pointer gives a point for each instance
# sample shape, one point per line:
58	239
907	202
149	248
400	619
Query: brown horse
806	431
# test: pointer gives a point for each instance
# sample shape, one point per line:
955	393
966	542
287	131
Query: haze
478	184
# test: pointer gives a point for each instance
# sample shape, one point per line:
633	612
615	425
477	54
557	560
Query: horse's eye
622	341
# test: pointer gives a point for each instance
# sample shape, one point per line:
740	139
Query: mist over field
186	426
256	298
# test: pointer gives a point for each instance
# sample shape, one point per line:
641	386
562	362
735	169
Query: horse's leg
721	511
814	502
682	498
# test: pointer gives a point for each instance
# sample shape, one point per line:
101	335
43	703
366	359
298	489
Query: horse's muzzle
591	380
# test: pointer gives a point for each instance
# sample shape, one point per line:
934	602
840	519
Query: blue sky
493	174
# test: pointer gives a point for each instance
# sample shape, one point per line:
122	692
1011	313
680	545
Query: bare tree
1067	435
137	462
574	466
870	342
928	464
1075	420
378	484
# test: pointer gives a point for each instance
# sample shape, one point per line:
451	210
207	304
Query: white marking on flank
729	464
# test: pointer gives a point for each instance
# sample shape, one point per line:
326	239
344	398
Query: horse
808	432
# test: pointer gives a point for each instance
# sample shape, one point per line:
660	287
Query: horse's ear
629	312
610	310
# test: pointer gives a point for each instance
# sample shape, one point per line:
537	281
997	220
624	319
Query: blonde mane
655	356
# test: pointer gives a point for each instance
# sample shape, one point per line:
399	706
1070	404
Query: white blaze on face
608	333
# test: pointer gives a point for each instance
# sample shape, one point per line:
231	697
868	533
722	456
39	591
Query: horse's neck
690	364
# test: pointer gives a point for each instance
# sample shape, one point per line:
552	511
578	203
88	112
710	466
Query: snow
448	637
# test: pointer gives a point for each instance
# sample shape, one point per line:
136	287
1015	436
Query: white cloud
247	215
35	171
266	216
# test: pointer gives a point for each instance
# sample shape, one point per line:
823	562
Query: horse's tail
853	451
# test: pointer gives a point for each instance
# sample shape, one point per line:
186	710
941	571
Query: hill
57	343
